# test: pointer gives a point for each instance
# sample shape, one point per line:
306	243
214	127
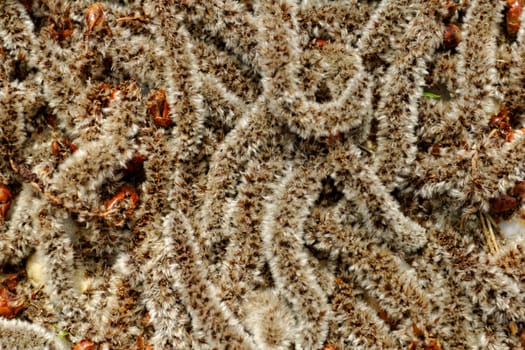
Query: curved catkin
279	68
262	174
18	334
289	271
397	118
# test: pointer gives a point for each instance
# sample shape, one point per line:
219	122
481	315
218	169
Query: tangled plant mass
262	174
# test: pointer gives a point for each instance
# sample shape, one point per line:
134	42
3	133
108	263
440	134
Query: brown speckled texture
306	191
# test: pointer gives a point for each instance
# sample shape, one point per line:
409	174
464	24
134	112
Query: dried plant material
501	124
519	190
5	201
84	344
135	165
488	230
122	205
140	18
25	335
62	29
512	15
10	304
262	174
95	17
159	109
62	149
502	204
451	36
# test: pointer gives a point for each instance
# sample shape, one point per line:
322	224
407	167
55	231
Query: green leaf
62	334
431	95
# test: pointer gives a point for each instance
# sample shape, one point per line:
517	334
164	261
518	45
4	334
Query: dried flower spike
451	36
84	345
513	16
159	109
5	201
10	304
122	205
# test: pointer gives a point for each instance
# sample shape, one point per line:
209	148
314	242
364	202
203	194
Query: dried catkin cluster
221	174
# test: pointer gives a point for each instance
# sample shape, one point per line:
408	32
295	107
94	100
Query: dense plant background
246	174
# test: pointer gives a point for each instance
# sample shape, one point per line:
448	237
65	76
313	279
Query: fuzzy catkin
309	192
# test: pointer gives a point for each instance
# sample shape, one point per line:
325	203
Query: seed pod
95	19
94	16
503	204
451	36
159	109
513	16
5	201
